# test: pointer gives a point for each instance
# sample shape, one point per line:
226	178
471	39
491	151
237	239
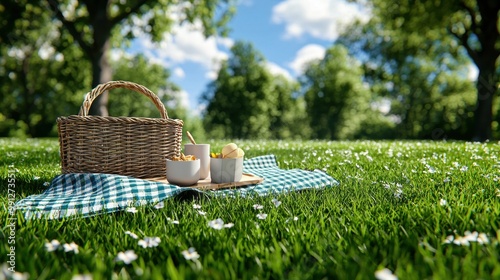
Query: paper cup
202	152
226	170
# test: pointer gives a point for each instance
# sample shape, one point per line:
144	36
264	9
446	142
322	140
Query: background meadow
423	210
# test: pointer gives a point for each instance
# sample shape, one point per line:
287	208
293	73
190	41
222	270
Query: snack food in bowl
231	150
183	170
227	166
183	157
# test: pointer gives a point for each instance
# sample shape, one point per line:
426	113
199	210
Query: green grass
386	213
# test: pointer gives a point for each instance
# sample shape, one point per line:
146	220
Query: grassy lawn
395	207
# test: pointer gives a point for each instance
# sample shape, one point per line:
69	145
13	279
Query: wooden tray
206	184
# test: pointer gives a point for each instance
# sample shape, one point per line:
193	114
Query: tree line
337	97
401	75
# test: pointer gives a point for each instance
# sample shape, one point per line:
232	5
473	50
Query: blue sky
289	33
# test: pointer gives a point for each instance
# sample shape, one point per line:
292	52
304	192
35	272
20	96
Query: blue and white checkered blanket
88	194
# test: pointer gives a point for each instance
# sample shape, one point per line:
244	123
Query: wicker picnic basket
128	146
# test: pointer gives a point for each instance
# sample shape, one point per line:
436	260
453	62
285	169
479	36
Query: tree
430	94
247	101
239	100
473	24
288	117
337	101
43	78
37	81
44	74
92	24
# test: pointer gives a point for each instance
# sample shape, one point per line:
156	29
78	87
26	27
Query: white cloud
179	72
186	43
275	69
179	98
212	75
323	19
305	55
226	42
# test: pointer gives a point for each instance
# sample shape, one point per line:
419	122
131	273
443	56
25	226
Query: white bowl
183	173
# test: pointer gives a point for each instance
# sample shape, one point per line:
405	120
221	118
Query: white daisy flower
82	277
449	239
131	210
261	216
460	240
443	202
159	205
398	193
127	257
149	242
483	239
276	202
7	273
431	169
385	274
71	247
52	245
217	224
468	237
190	254
196	206
258	207
133	235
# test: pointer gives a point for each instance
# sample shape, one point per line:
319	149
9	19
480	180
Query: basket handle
89	97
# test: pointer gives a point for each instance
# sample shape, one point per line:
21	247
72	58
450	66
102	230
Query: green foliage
387	212
430	94
377	125
288	118
464	26
37	81
432	99
59	93
414	54
337	101
246	101
240	96
159	16
138	69
79	34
